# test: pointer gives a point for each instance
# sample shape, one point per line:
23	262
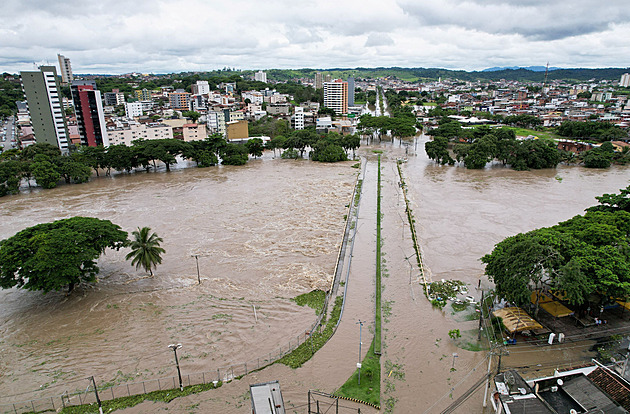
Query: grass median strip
306	350
369	390
126	402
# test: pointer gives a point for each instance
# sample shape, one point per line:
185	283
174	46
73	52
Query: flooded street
263	233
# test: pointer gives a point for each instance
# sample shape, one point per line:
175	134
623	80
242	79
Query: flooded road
263	233
460	215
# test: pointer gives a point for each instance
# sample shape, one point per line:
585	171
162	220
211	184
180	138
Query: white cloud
117	36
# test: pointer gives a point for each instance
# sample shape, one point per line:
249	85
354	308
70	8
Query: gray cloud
378	39
117	36
533	19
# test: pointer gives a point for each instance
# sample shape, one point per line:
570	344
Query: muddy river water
263	233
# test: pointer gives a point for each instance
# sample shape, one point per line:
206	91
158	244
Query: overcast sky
155	36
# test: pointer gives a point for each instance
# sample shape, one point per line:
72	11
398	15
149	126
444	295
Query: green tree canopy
145	249
51	256
255	147
586	254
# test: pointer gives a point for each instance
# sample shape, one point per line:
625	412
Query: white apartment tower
260	76
625	80
298	118
201	88
41	89
336	96
66	69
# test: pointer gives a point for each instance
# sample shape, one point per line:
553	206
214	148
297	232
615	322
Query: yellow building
237	130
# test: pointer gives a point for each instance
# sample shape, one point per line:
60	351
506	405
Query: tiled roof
616	387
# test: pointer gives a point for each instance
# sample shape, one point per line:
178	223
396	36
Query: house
591	389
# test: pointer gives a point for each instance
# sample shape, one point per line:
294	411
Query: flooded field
263	234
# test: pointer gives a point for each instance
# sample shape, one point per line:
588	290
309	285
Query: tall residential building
133	109
350	91
88	107
201	88
260	76
625	80
41	89
298	118
336	96
114	98
143	94
66	69
180	100
319	80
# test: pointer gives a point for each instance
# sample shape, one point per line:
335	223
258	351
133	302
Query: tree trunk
70	288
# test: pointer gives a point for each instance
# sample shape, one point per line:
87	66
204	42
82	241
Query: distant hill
432	74
532	68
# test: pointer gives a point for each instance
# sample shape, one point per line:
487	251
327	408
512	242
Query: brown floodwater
460	215
263	233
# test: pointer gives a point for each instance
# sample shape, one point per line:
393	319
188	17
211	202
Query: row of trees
485	145
52	256
330	147
476	147
586	254
46	165
397	126
598	131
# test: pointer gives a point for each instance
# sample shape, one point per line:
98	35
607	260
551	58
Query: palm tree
145	249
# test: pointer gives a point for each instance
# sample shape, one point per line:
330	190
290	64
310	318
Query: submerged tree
145	249
51	256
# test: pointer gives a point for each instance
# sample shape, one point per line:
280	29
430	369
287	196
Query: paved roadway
8	134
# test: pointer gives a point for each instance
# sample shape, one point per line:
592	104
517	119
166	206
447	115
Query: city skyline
115	37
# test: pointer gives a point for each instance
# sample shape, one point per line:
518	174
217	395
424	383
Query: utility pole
485	394
359	363
98	400
197	260
480	316
175	347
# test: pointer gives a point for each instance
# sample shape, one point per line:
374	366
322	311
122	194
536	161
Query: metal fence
221	374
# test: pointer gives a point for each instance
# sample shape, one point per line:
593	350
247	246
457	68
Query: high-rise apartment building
133	109
114	98
143	94
41	89
66	69
88	107
336	96
201	88
350	91
298	118
179	100
625	80
260	76
319	80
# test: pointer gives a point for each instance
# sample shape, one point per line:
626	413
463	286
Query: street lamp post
98	400
197	260
359	363
175	347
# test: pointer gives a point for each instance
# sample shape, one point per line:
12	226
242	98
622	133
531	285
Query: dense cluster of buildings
553	103
89	117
